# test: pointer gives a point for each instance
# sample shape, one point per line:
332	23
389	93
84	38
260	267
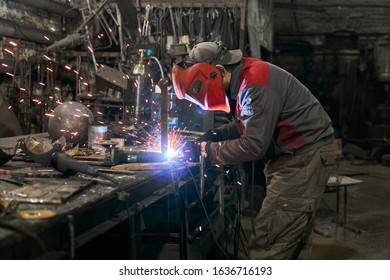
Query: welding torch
69	166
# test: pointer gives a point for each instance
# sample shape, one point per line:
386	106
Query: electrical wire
206	214
237	231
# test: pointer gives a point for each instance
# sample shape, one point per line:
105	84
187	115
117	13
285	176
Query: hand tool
145	26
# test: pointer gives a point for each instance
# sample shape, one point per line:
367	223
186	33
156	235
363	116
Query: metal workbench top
93	209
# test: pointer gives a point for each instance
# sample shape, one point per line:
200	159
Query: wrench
145	27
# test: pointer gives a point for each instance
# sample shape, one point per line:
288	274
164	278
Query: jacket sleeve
230	130
260	110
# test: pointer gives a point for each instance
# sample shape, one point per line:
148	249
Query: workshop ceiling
311	17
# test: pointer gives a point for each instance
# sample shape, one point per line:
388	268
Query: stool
337	184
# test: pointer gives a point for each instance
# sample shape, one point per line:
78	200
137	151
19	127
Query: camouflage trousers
295	185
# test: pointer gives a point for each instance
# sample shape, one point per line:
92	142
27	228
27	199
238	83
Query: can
96	132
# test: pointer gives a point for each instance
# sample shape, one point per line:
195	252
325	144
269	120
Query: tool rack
239	4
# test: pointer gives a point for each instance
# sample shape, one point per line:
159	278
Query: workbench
99	206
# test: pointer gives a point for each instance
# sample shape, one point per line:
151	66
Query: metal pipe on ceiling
52	6
24	32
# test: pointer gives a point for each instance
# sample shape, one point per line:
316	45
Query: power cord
238	234
206	214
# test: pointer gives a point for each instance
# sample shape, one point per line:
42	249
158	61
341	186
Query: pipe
24	32
70	40
52	6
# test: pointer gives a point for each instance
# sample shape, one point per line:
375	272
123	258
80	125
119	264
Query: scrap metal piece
40	152
112	77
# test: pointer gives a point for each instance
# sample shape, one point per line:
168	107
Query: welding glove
212	135
191	150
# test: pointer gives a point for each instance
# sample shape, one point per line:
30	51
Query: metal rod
70	220
88	19
202	173
89	41
173	24
163	84
120	31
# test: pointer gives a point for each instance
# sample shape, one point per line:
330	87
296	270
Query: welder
278	120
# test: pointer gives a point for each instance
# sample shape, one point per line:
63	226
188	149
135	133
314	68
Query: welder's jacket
276	115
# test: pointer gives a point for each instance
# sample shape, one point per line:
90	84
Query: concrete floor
366	235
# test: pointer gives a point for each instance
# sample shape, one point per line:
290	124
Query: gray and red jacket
276	115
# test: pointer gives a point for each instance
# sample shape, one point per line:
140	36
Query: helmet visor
201	84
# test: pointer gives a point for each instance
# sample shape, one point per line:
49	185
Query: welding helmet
202	85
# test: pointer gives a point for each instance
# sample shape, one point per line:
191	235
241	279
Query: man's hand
203	152
192	150
212	135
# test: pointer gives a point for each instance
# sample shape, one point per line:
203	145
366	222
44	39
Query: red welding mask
202	85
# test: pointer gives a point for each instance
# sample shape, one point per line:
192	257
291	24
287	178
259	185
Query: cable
159	65
238	233
238	216
206	214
